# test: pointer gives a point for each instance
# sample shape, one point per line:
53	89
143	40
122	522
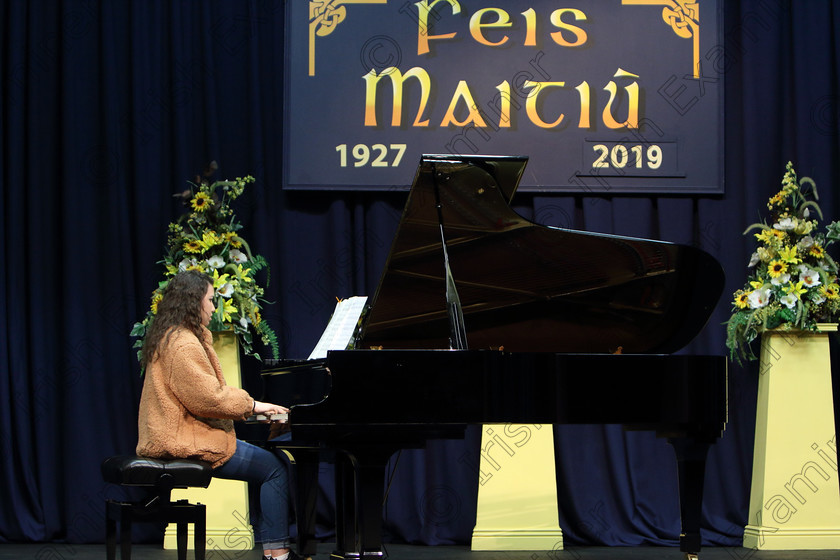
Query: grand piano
483	317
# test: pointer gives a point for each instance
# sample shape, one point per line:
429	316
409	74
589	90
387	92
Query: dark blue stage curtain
108	107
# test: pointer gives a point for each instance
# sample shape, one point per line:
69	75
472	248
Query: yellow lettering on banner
531	102
569	34
476	25
463	99
504	104
633	102
397	80
531	27
585	109
579	33
462	92
424	8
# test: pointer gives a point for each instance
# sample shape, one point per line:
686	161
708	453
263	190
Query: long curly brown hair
180	307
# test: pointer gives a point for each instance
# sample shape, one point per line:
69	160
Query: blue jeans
268	491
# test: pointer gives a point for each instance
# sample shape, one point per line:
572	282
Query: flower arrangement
207	239
794	281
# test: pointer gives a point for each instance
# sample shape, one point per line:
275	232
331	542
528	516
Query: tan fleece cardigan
186	409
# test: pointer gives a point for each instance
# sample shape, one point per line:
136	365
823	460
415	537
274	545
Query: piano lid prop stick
457	328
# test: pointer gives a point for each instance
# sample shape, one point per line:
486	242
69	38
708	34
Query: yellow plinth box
228	527
517	492
794	499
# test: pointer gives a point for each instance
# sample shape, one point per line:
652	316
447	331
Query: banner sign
606	96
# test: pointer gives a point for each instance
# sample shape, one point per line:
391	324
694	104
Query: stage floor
408	552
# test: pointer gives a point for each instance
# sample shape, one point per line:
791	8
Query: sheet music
342	325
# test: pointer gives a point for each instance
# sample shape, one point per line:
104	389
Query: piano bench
158	477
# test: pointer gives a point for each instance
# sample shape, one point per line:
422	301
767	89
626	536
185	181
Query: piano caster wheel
691	556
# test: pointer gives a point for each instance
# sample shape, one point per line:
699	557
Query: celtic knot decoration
324	17
683	16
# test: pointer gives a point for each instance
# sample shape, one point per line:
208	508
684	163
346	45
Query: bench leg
125	535
110	536
123	514
181	539
200	527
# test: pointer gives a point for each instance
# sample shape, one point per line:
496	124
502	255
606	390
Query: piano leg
346	543
306	500
306	459
691	463
360	483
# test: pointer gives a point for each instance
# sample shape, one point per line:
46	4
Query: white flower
818	298
810	278
805	243
789	300
238	256
780	280
759	298
754	260
226	291
244	321
216	261
185	264
785	224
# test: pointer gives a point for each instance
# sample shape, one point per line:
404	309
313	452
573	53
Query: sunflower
741	301
777	268
830	291
232	239
156	298
817	251
192	246
200	202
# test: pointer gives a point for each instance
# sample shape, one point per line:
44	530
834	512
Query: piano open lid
528	287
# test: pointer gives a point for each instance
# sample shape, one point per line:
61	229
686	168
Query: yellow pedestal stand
795	500
228	527
517	493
